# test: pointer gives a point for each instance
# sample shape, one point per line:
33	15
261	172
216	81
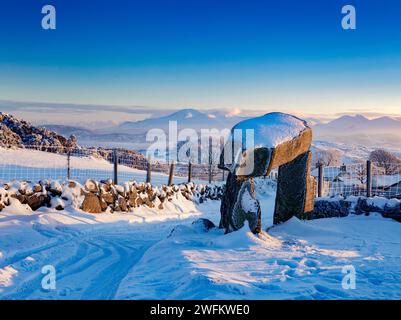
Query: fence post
368	178
171	173
189	171
210	159
68	165
149	171
320	180
222	156
115	163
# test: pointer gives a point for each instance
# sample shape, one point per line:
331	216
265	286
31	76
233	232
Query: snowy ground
136	256
91	253
297	260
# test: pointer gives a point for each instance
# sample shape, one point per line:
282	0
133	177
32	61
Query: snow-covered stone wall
340	207
105	196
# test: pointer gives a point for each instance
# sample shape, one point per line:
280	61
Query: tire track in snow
31	285
105	284
93	271
90	262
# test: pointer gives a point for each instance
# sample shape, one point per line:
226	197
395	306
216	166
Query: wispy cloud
78	114
104	115
371	114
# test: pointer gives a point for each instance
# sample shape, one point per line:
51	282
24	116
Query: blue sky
262	55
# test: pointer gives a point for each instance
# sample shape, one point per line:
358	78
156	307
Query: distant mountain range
354	136
355	130
359	124
133	133
359	130
185	118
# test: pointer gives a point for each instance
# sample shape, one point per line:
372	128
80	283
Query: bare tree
360	171
386	160
329	157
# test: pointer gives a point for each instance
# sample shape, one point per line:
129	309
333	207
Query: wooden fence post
222	156
189	171
171	173
69	165
320	180
210	159
115	165
368	178
149	171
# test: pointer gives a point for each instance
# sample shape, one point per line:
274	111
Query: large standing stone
233	186
260	161
239	204
294	189
281	141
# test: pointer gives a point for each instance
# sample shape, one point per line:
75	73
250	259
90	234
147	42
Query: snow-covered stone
256	147
260	144
272	129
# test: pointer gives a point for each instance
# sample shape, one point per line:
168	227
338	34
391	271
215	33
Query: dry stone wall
342	207
105	196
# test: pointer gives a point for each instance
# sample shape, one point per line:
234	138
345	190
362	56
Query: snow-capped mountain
359	130
192	118
132	134
356	132
185	118
359	123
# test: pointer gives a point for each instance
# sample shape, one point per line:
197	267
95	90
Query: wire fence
35	163
360	179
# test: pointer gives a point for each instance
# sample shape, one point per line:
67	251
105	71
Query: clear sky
264	55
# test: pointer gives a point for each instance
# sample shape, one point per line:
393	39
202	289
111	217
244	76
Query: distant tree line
386	161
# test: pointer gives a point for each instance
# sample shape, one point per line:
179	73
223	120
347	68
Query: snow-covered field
296	260
137	255
91	253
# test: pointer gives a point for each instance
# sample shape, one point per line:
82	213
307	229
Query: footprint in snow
311	263
288	263
331	292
